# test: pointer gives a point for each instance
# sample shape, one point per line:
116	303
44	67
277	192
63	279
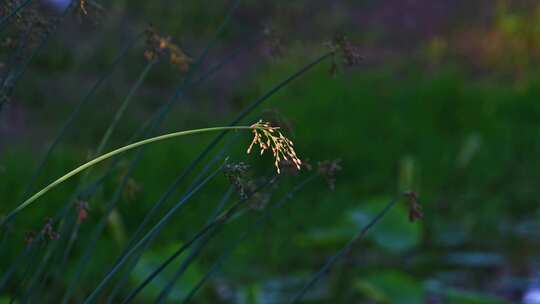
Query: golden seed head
268	137
82	5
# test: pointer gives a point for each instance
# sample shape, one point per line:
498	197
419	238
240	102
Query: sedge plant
267	137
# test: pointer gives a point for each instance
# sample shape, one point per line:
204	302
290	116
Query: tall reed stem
106	156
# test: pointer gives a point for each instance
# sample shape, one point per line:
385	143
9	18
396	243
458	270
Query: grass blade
8	85
71	119
149	236
260	221
125	277
342	252
159	204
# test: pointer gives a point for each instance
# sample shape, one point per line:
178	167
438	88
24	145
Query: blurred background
441	100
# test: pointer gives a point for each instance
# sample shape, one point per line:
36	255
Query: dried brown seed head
82	211
158	46
82	7
415	209
328	170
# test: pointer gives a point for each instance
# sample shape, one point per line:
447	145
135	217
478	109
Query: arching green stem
103	157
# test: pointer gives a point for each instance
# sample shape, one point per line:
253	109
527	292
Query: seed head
268	137
158	46
328	170
82	6
82	211
340	46
236	173
48	230
415	209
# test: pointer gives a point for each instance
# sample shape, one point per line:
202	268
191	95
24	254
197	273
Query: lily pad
391	287
394	232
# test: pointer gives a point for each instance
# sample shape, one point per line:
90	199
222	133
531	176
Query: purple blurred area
58	4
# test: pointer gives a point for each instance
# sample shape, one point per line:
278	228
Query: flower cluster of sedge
268	137
415	209
157	45
82	7
350	54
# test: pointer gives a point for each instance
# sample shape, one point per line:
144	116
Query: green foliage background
466	140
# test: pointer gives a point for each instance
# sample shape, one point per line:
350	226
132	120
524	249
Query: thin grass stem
108	155
72	117
159	204
149	236
155	122
324	269
123	280
218	220
252	228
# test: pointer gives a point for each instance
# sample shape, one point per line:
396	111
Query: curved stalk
105	156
